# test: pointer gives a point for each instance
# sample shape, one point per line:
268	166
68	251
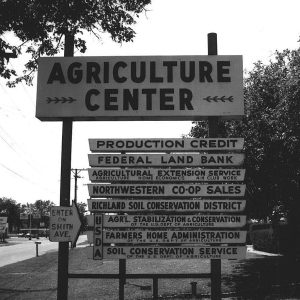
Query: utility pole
29	207
76	176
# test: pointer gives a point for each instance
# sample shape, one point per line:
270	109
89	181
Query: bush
269	238
262	238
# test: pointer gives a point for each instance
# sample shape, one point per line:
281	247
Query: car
32	235
22	234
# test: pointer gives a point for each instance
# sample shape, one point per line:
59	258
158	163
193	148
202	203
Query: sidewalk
256	277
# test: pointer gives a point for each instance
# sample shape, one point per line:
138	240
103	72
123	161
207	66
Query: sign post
65	181
215	264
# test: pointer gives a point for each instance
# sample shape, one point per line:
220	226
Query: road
21	248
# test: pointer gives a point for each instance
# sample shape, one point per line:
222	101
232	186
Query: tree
40	25
11	209
82	210
42	207
271	128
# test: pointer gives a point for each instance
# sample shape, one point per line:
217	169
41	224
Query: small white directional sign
171	221
167	205
166	190
165	174
165	145
176	236
166	160
171	252
64	223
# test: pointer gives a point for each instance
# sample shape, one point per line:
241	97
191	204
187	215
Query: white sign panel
64	224
36	215
165	175
181	237
98	237
178	252
171	221
140	87
166	160
3	224
166	190
3	220
23	216
165	145
118	205
3	227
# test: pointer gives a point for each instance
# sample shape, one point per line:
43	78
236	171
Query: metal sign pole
66	151
215	264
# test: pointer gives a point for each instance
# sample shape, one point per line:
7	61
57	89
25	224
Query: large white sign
165	145
171	221
165	175
119	205
174	252
166	190
166	160
140	87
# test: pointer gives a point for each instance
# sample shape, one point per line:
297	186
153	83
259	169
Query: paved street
22	249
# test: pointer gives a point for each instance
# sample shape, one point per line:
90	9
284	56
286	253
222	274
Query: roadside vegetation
271	128
18	215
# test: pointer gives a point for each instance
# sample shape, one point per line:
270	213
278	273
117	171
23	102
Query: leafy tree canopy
82	210
11	209
42	207
271	128
41	24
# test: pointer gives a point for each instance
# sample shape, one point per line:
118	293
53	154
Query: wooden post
215	264
65	179
122	280
155	288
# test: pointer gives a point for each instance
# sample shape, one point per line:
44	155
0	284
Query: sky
31	149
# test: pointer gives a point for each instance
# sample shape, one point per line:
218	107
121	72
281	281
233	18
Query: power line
26	179
19	153
15	173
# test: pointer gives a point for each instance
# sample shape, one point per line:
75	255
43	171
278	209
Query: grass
253	278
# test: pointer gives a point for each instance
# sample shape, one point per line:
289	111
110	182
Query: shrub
262	239
269	238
